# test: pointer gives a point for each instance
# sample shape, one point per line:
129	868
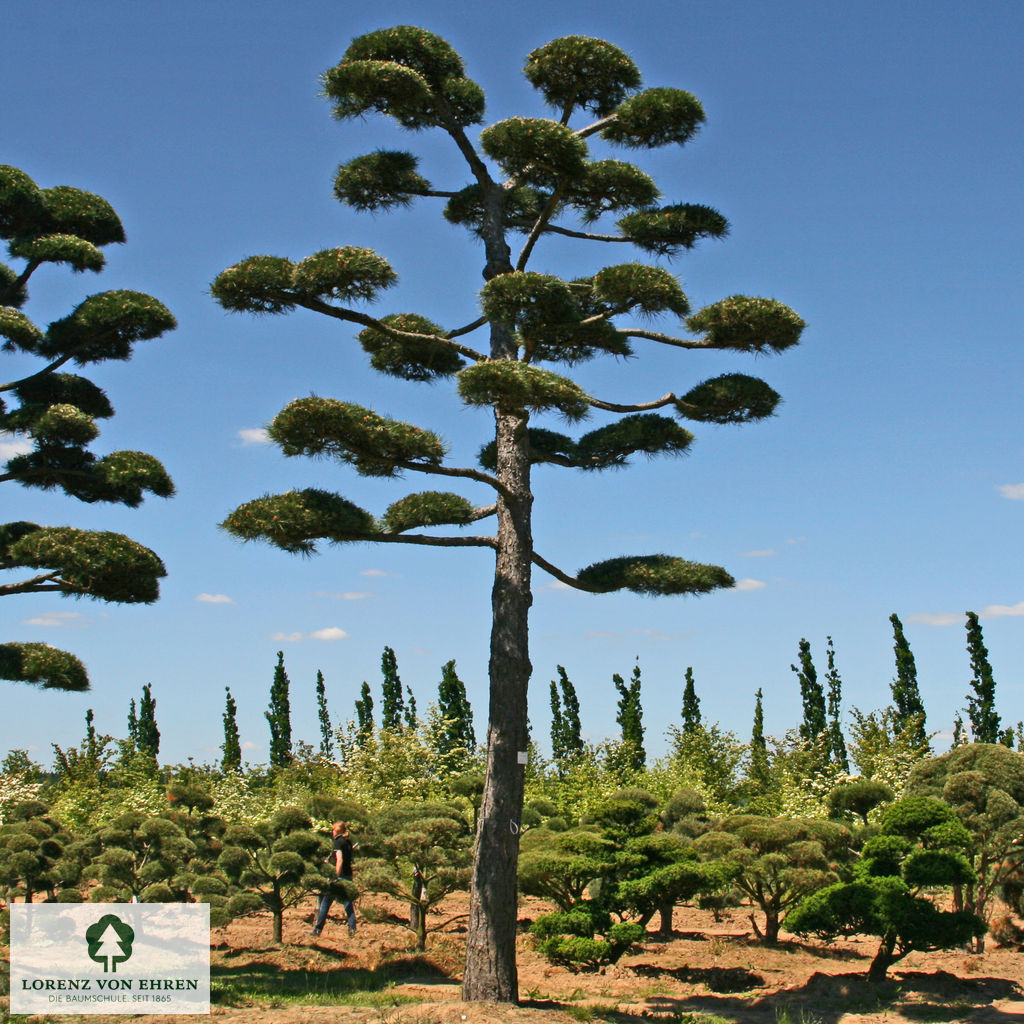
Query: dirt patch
704	967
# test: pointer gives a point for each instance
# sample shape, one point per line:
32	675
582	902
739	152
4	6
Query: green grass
268	985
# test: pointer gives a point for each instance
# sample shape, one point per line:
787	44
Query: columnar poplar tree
906	696
758	770
981	705
815	724
364	714
566	739
147	733
691	706
836	740
56	412
630	719
279	717
231	748
392	708
455	713
323	717
534	177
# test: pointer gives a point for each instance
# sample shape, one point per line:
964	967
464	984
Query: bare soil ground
704	967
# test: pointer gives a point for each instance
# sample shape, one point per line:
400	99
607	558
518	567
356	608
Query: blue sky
869	159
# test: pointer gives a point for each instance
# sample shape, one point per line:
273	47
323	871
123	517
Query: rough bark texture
490	946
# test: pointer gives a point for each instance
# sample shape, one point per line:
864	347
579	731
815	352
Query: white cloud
355	595
760	553
992	611
254	435
998	611
375	572
55	620
214	599
1015	492
749	584
249	745
937	618
11	446
331	633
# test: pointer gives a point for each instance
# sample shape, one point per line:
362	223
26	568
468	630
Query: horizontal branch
665	339
44	583
596	126
439	542
658	403
342	313
467	474
559	230
564	577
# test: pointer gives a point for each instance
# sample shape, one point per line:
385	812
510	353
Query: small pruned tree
274	865
418	853
535	177
859	797
915	853
137	857
984	785
32	848
55	412
776	862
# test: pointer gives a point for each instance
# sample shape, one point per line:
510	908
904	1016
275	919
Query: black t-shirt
344	844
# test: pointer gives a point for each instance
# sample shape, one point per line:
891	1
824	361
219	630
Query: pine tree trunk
884	959
491	942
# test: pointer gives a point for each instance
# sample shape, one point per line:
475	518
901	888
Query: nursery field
706	972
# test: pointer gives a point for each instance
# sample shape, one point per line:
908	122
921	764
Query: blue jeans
326	900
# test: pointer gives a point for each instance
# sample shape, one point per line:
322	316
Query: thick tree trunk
491	941
884	959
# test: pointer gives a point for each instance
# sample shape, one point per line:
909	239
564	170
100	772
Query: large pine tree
55	412
534	177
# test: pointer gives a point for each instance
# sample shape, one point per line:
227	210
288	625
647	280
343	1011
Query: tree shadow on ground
262	979
825	998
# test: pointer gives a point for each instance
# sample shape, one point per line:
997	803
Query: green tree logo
110	942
